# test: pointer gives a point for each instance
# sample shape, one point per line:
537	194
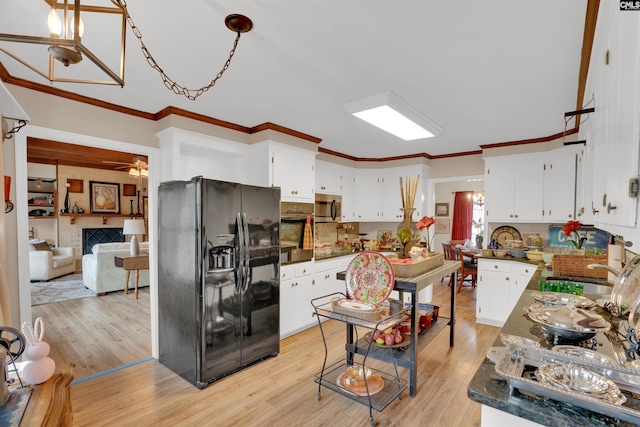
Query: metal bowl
567	322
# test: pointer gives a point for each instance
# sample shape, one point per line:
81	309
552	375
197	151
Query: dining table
470	253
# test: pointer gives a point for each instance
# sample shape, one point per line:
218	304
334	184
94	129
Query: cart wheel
318	395
10	336
373	422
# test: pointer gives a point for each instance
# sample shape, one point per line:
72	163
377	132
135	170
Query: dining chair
447	250
468	272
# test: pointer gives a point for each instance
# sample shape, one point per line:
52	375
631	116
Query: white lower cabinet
325	277
500	285
296	292
300	283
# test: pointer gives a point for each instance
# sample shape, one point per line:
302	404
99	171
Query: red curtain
462	215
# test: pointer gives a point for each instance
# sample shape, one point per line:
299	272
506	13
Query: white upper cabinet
378	192
328	178
613	129
514	188
560	172
293	170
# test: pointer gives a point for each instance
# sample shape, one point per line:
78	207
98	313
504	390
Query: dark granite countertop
490	389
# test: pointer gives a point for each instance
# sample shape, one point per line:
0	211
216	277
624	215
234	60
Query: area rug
60	289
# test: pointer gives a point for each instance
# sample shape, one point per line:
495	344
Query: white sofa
46	263
100	274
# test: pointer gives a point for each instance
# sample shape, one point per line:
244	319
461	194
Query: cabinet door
348	194
522	274
584	185
499	188
293	171
528	180
305	291
287	307
492	306
369	196
328	178
615	128
391	200
560	170
622	157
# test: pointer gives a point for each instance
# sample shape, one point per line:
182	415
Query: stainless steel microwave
328	208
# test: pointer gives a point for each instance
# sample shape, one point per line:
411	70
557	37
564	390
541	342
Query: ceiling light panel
392	114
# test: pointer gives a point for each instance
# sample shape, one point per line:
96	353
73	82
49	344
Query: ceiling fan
138	168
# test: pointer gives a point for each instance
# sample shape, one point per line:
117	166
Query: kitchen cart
388	386
409	357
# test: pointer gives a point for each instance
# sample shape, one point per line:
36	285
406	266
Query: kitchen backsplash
331	232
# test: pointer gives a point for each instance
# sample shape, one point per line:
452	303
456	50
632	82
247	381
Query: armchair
46	264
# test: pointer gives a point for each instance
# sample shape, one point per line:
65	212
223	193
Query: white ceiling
486	71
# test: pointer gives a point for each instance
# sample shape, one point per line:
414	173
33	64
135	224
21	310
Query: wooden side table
50	403
132	262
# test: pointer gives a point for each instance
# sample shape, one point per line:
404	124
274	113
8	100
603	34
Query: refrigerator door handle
247	253
240	279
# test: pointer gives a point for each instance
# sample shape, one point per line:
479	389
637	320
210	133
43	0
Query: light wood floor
98	333
280	391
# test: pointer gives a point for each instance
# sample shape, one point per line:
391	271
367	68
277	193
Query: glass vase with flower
407	232
425	223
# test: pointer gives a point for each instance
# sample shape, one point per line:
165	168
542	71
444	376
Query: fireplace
92	236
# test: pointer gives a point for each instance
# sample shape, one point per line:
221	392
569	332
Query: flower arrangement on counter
427	222
570	228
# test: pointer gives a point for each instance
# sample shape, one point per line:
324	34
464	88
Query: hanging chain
178	89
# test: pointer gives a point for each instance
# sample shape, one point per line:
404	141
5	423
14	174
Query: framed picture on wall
105	197
442	209
441	226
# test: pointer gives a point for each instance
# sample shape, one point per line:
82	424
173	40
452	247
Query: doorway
442	191
86	142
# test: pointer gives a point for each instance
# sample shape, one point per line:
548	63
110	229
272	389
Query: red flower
425	222
570	227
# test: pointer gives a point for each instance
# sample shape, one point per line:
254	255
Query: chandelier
478	198
68	20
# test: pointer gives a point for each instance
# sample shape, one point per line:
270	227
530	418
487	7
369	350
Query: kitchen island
413	285
503	407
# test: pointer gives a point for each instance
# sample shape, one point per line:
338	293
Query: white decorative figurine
38	367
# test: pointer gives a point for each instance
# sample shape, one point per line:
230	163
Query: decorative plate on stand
369	278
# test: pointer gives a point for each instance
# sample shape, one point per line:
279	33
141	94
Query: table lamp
133	227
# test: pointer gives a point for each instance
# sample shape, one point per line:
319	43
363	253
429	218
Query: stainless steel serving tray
517	359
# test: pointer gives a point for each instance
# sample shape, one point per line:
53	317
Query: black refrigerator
218	277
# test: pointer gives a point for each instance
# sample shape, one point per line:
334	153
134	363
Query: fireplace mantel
105	218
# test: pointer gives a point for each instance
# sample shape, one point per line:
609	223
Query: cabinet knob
511	216
516	215
506	278
610	208
495	266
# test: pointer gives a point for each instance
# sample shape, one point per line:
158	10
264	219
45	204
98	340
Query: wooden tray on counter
417	268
